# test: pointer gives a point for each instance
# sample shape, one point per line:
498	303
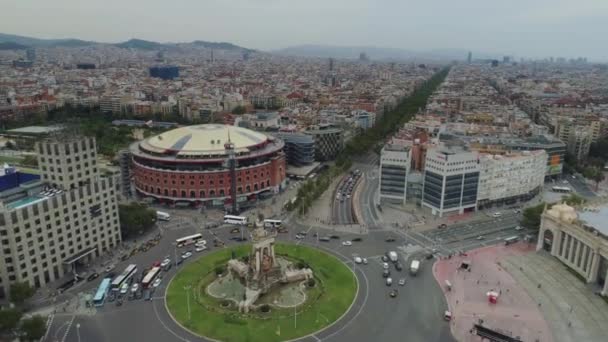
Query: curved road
416	312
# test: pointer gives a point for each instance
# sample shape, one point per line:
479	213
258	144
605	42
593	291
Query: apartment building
395	161
48	229
451	180
509	178
579	142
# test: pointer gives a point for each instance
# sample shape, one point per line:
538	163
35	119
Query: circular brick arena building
190	165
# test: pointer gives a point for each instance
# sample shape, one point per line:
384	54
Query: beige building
69	217
579	239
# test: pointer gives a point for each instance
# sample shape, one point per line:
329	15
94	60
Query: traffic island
261	292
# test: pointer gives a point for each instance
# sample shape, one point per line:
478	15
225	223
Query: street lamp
78	331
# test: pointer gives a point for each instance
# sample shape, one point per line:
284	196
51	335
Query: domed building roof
204	140
563	212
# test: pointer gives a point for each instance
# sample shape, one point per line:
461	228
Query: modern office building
395	161
451	180
555	148
579	239
49	227
329	141
509	178
189	165
299	148
579	142
166	72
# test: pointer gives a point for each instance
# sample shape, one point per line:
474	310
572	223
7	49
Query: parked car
335	237
324	238
347	243
135	287
390	239
480	237
357	239
200	248
518	228
157	282
186	255
93	276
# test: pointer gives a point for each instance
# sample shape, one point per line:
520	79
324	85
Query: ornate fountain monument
264	272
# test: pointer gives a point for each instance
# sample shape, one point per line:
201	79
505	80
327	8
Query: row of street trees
388	124
12	323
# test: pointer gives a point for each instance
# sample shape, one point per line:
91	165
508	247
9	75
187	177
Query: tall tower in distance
331	64
470	57
231	161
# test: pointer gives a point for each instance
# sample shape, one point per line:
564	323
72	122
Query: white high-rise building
395	161
510	178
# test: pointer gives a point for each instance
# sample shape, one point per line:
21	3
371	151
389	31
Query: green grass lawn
337	281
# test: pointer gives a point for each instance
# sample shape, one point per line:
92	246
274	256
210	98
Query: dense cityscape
205	191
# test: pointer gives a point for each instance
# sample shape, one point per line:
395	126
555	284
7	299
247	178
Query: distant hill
11	41
12	46
374	53
36	42
140	44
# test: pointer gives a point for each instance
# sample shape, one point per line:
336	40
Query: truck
393	256
414	267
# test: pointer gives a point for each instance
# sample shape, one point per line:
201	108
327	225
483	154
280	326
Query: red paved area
515	313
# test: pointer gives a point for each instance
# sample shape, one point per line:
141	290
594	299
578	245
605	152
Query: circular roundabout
262	292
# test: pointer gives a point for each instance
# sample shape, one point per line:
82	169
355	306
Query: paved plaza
515	313
573	311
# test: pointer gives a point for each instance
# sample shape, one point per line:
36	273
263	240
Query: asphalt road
417	311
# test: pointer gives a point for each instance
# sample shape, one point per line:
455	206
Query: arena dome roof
206	139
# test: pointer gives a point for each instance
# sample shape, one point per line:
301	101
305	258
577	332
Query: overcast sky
536	28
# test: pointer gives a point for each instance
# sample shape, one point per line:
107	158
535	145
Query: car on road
402	282
480	237
157	282
165	262
398	266
299	236
429	256
238	239
335	237
565	182
389	281
124	288
235	231
147	295
497	214
186	255
119	302
393	293
110	268
357	239
93	276
385	265
348	196
324	238
364	261
390	239
347	243
384	258
518	228
200	248
135	287
442	226
386	273
517	211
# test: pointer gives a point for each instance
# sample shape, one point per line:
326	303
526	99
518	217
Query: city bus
511	240
100	295
124	277
162	216
272	223
231	219
150	276
188	240
563	189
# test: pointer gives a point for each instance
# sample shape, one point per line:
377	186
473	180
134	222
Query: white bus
188	240
231	219
563	189
272	223
124	277
511	240
162	216
150	276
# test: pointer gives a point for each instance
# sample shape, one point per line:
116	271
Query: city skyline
543	29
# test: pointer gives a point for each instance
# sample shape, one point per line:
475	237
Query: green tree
239	110
33	329
573	199
595	174
9	320
30	161
20	292
532	216
135	218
